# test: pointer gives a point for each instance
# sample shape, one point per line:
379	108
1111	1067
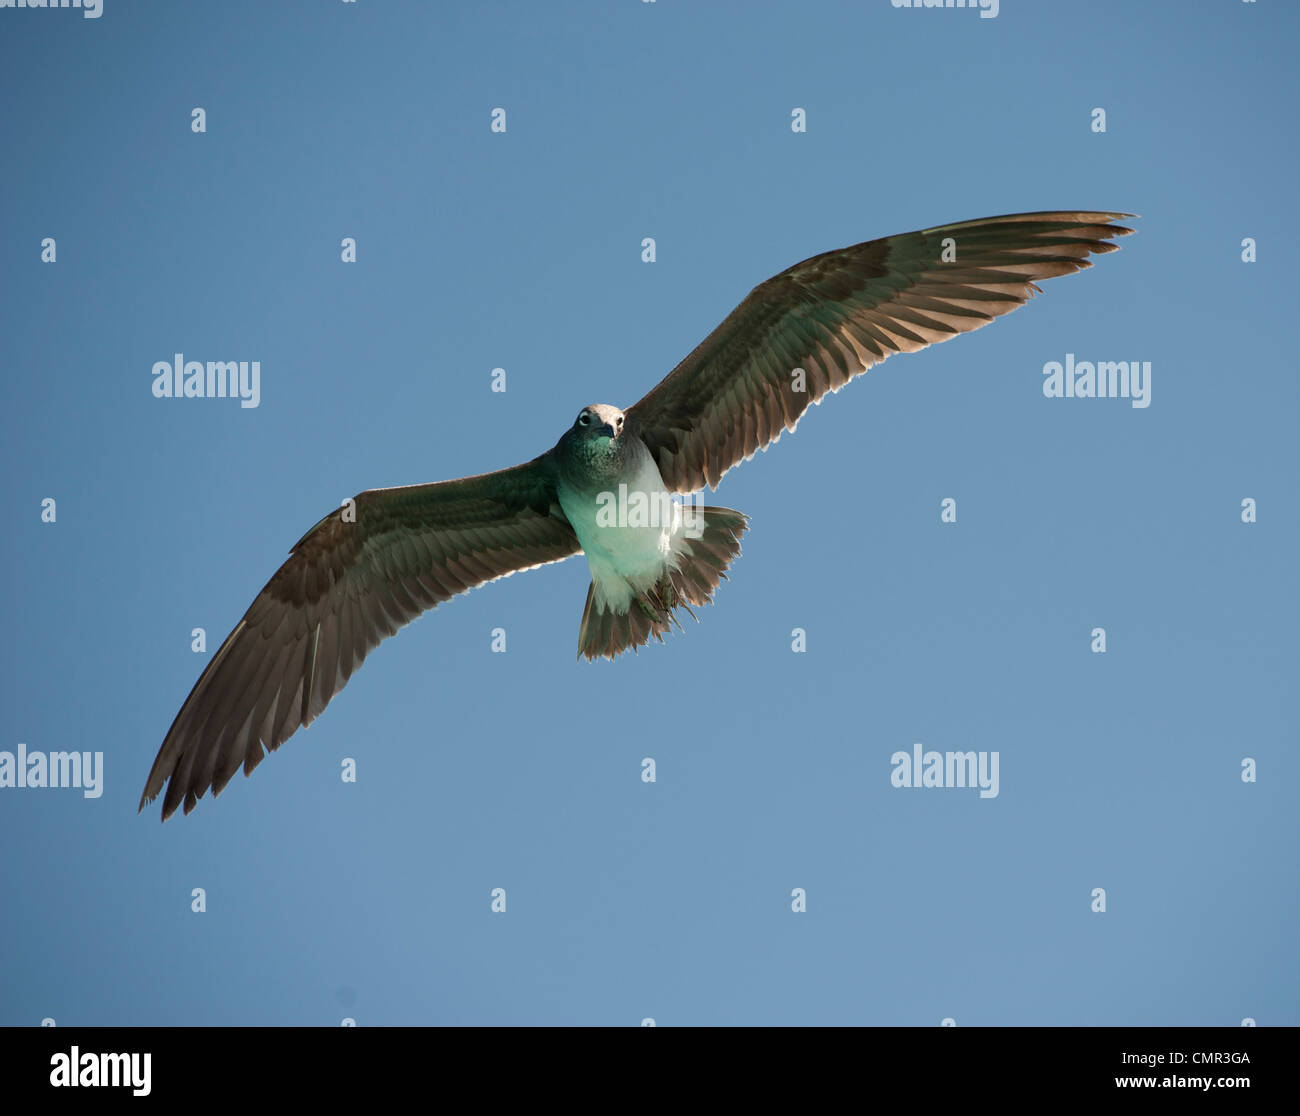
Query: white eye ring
584	418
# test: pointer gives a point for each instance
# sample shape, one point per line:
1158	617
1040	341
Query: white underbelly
630	534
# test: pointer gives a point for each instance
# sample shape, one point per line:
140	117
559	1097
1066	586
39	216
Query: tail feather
701	567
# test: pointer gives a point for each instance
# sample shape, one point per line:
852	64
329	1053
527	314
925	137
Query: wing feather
837	314
346	586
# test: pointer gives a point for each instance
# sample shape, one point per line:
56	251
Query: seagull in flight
605	488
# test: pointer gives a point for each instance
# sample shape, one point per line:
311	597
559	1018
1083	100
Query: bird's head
592	449
600	420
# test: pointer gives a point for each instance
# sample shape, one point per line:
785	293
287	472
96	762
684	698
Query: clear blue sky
522	770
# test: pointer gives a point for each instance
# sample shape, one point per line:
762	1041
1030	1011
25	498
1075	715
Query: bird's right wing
837	314
349	583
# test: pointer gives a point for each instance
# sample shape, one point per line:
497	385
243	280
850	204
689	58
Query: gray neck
594	464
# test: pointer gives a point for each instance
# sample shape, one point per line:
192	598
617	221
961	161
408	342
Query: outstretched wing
837	314
347	585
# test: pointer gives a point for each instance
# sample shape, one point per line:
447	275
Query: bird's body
632	552
647	554
605	489
630	529
625	553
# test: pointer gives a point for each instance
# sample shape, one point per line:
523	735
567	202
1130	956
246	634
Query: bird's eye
584	418
620	420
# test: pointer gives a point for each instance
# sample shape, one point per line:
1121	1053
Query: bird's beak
607	431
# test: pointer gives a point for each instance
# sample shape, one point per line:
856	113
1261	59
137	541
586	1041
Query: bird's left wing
353	580
835	315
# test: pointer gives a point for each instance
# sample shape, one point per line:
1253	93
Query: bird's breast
628	524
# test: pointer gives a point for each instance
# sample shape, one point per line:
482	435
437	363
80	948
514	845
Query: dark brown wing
834	316
347	586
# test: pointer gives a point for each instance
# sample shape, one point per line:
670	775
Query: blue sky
371	900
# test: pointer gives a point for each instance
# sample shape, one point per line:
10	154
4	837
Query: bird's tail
701	564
